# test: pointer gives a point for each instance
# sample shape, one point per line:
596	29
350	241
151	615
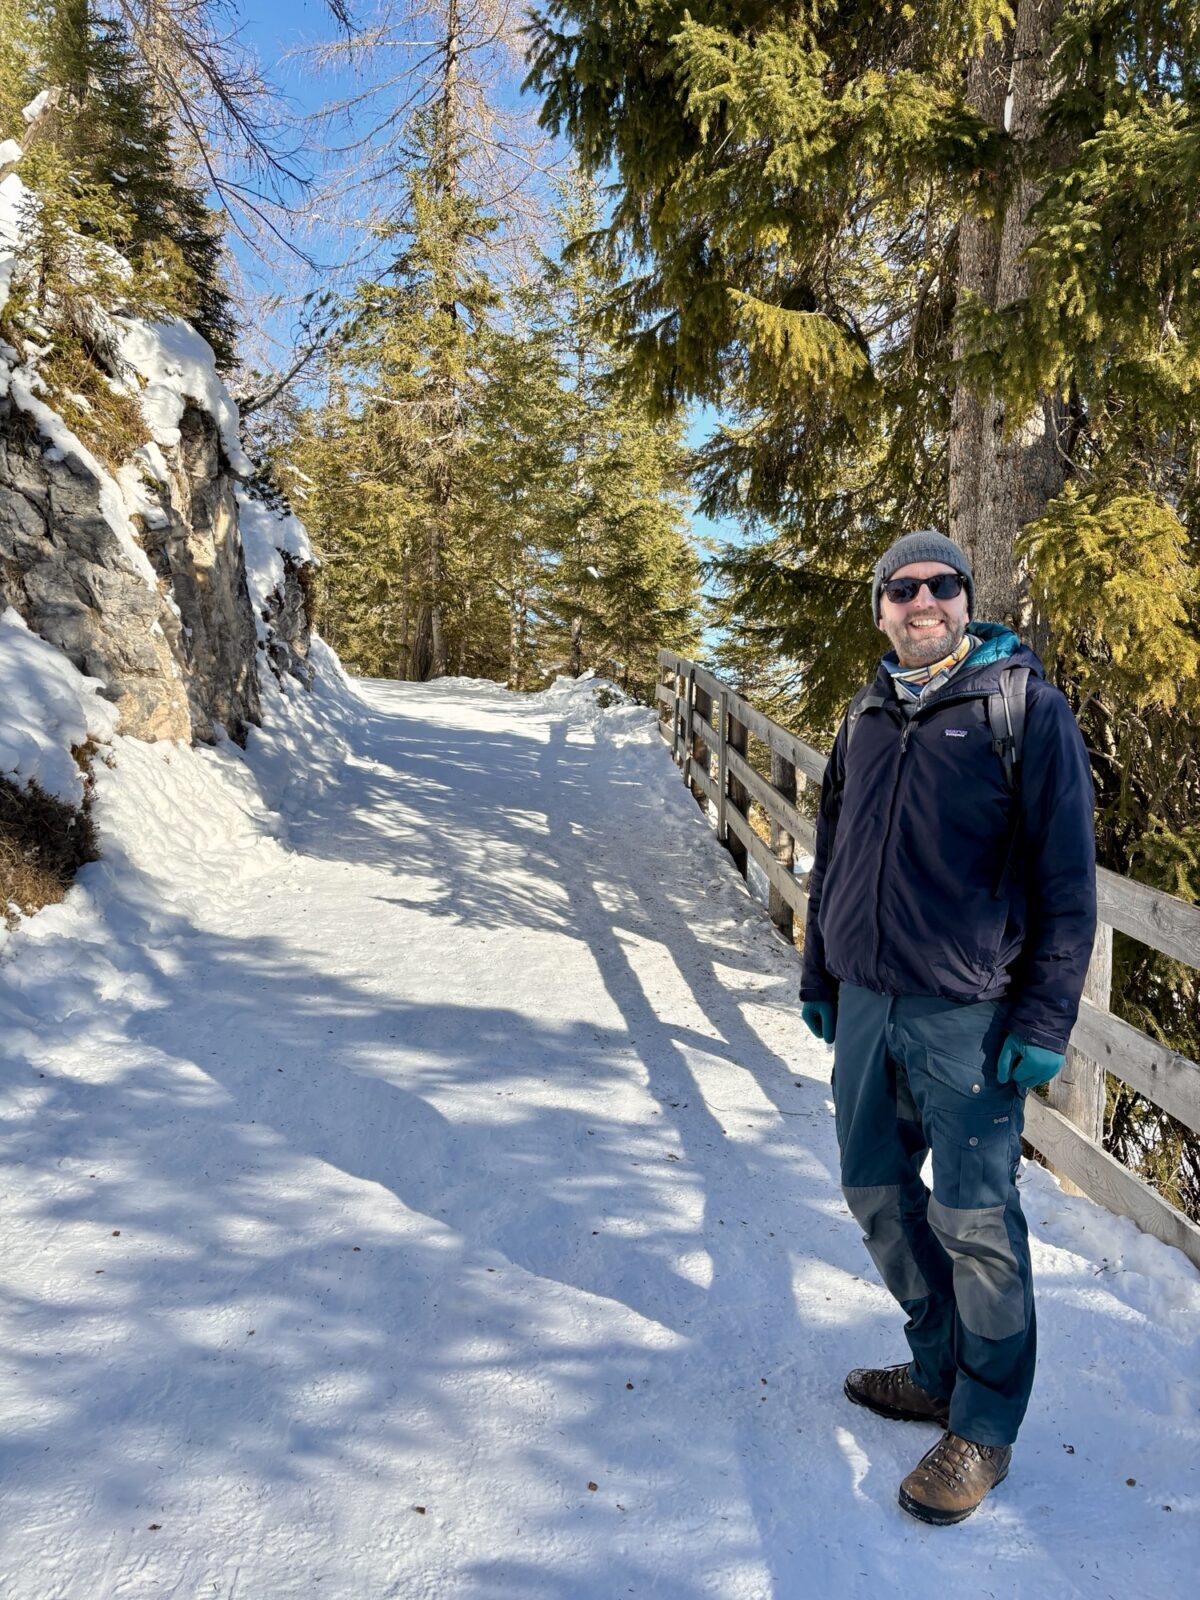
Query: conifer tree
104	180
623	578
337	465
863	231
562	539
18	80
116	135
520	481
413	350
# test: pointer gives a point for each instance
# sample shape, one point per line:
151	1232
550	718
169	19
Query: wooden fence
707	725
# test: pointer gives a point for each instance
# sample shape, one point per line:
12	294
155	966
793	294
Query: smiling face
926	629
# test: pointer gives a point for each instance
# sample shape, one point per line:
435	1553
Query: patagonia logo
956	733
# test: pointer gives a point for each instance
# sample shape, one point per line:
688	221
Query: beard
922	648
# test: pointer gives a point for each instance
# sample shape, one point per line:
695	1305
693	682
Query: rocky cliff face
197	552
137	569
178	656
141	578
63	568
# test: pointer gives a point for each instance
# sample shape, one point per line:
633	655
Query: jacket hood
998	647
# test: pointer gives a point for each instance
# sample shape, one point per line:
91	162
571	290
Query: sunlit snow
419	1184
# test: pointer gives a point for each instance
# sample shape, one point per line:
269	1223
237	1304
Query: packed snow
418	1184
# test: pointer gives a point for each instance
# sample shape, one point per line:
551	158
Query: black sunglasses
942	586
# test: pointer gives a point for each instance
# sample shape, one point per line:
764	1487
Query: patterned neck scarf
916	683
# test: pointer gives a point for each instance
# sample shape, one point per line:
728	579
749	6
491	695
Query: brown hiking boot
892	1392
952	1480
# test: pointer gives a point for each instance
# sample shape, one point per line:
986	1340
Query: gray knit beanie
924	546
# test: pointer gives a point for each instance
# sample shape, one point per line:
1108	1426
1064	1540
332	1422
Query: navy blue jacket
920	818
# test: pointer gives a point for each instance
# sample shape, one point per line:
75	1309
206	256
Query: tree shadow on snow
346	1220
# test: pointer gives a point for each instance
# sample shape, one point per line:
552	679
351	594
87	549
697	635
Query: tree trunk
421	657
429	640
575	660
404	665
978	263
516	634
446	409
437	636
464	638
1003	471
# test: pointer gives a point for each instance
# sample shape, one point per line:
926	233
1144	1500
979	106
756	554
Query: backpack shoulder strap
865	700
1006	718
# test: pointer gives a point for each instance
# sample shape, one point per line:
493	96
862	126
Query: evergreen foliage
623	580
18	86
410	361
494	436
769	157
1115	574
521	485
104	182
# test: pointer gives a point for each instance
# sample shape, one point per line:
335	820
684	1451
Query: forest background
910	264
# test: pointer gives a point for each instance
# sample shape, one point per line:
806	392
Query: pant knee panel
877	1210
989	1285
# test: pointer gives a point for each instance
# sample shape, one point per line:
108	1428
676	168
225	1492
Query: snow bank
604	707
49	707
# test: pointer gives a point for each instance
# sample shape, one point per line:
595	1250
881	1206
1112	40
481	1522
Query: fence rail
704	720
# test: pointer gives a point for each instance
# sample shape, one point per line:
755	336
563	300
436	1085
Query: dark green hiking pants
914	1074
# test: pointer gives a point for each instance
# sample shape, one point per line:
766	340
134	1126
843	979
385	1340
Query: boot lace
951	1455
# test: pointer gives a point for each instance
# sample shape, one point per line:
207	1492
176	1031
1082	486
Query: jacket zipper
887	834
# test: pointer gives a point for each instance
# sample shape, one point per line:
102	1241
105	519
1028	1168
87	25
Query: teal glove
1027	1064
821	1018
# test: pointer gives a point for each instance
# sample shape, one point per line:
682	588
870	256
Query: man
951	913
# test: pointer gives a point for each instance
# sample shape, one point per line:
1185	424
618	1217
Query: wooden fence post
664	711
689	738
723	768
739	795
700	757
783	778
1078	1091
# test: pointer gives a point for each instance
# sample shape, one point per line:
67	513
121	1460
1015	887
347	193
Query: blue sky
275	26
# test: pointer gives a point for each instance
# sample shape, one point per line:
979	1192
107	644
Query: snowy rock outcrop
65	570
278	567
139	575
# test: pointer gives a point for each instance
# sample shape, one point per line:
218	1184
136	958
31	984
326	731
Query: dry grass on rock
109	421
43	843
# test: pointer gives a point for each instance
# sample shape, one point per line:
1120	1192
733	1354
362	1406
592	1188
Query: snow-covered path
418	1184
